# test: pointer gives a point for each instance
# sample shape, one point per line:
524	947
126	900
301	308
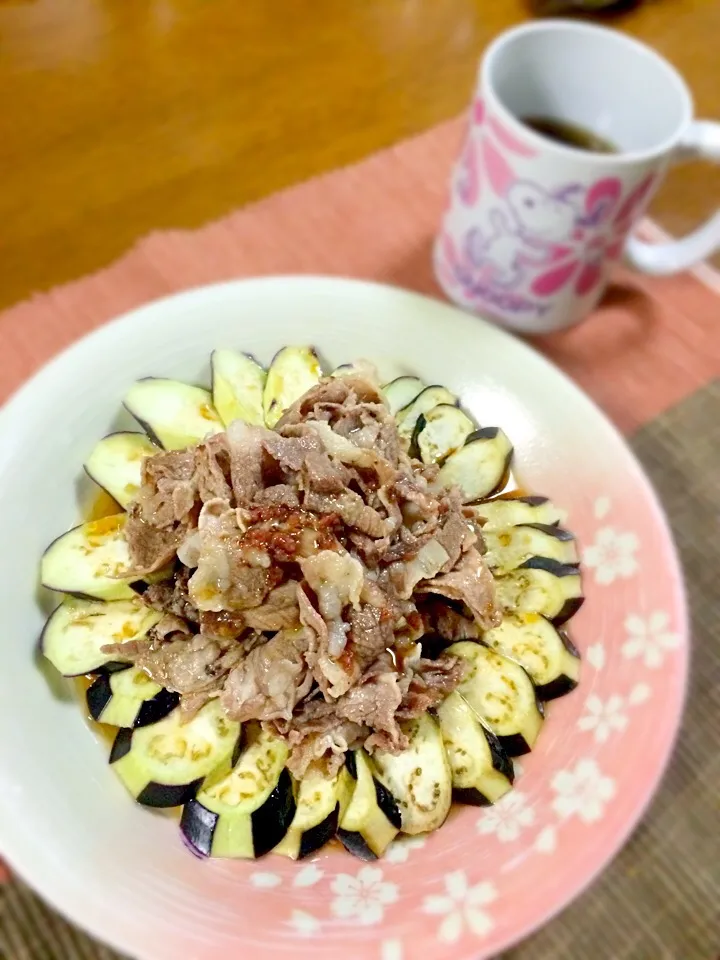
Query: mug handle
700	142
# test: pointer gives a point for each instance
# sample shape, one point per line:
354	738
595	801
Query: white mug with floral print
533	225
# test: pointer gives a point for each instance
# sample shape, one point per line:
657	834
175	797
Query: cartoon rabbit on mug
543	222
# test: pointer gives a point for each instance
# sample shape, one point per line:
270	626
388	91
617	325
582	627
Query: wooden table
118	117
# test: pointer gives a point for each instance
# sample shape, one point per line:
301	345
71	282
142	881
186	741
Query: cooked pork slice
269	681
473	584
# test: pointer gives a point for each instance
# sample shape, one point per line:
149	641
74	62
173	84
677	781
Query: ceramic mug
533	225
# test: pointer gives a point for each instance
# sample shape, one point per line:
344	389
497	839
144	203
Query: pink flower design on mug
487	141
601	232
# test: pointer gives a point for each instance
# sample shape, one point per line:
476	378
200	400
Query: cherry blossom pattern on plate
308	875
362	897
602	718
612	555
462	907
400	849
582	791
595	656
304	923
650	638
507	818
391	950
264	880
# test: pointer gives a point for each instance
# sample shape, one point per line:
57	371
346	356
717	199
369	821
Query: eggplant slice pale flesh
115	464
505	512
162	764
293	371
418	778
174	414
481	770
238	382
372	818
544	586
77	630
440	432
128	698
481	466
425	401
401	392
551	660
90	561
245	812
510	547
502	694
321	801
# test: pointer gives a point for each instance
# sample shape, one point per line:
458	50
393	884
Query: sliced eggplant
544	586
164	763
174	415
321	801
115	464
424	402
481	466
293	371
246	812
371	820
90	561
440	432
501	694
128	698
401	392
76	631
360	368
419	778
482	772
509	547
547	654
238	382
509	511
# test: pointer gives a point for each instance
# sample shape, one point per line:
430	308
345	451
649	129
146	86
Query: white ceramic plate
486	878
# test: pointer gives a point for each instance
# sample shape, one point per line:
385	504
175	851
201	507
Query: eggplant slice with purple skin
128	698
544	586
481	466
510	511
440	432
424	402
321	801
419	778
89	561
547	654
401	392
174	414
502	695
76	631
481	770
244	812
509	547
293	371
372	819
115	464
164	763
238	382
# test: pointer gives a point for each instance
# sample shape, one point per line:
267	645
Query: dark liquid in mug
569	134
